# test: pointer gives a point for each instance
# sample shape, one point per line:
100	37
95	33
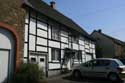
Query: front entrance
7	50
40	59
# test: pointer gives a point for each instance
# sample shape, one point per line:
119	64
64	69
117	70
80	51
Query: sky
108	15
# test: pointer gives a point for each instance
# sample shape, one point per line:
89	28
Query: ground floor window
56	54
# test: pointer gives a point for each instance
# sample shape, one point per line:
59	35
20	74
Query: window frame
55	32
54	57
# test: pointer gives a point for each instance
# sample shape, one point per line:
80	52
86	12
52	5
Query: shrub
29	73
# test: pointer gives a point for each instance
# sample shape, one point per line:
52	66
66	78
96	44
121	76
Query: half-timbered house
48	34
32	31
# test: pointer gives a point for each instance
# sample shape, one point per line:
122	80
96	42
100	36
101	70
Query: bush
65	70
29	73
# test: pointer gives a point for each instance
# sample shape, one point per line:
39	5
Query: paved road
67	78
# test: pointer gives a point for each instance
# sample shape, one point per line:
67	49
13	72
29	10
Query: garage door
4	56
7	44
40	59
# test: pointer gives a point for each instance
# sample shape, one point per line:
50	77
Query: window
56	54
55	34
114	64
33	60
87	64
101	63
70	39
75	40
41	59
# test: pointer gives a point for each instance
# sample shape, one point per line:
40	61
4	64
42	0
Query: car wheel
77	74
113	77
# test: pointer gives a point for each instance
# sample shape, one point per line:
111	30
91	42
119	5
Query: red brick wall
12	18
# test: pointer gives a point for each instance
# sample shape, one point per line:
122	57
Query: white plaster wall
25	49
63	33
40	48
26	33
62	54
31	42
94	51
63	39
83	56
91	50
81	42
32	26
42	25
90	45
88	57
41	41
70	45
87	46
42	33
63	46
94	56
54	44
93	46
75	46
26	18
54	65
82	48
50	53
49	31
87	50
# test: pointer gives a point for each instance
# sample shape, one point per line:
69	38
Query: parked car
113	69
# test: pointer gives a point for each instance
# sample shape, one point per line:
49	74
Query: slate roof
46	10
113	39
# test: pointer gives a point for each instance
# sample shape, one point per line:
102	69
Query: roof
113	39
46	10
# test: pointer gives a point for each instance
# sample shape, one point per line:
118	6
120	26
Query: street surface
67	78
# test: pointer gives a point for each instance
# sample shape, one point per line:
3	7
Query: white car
112	69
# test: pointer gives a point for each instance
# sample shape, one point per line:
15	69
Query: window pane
55	54
55	34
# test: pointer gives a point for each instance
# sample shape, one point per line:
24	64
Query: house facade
48	34
32	31
107	46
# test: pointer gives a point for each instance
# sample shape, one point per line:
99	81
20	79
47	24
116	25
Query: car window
119	62
101	63
122	60
87	64
114	64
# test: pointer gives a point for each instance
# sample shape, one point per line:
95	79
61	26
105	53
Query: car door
86	68
100	68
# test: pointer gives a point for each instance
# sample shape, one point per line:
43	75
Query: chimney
53	4
100	31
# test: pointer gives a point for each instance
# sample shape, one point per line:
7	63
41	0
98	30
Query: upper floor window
70	39
75	40
55	34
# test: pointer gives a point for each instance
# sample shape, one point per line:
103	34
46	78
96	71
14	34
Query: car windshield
122	60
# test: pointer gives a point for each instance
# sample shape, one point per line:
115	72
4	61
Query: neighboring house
32	31
107	46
